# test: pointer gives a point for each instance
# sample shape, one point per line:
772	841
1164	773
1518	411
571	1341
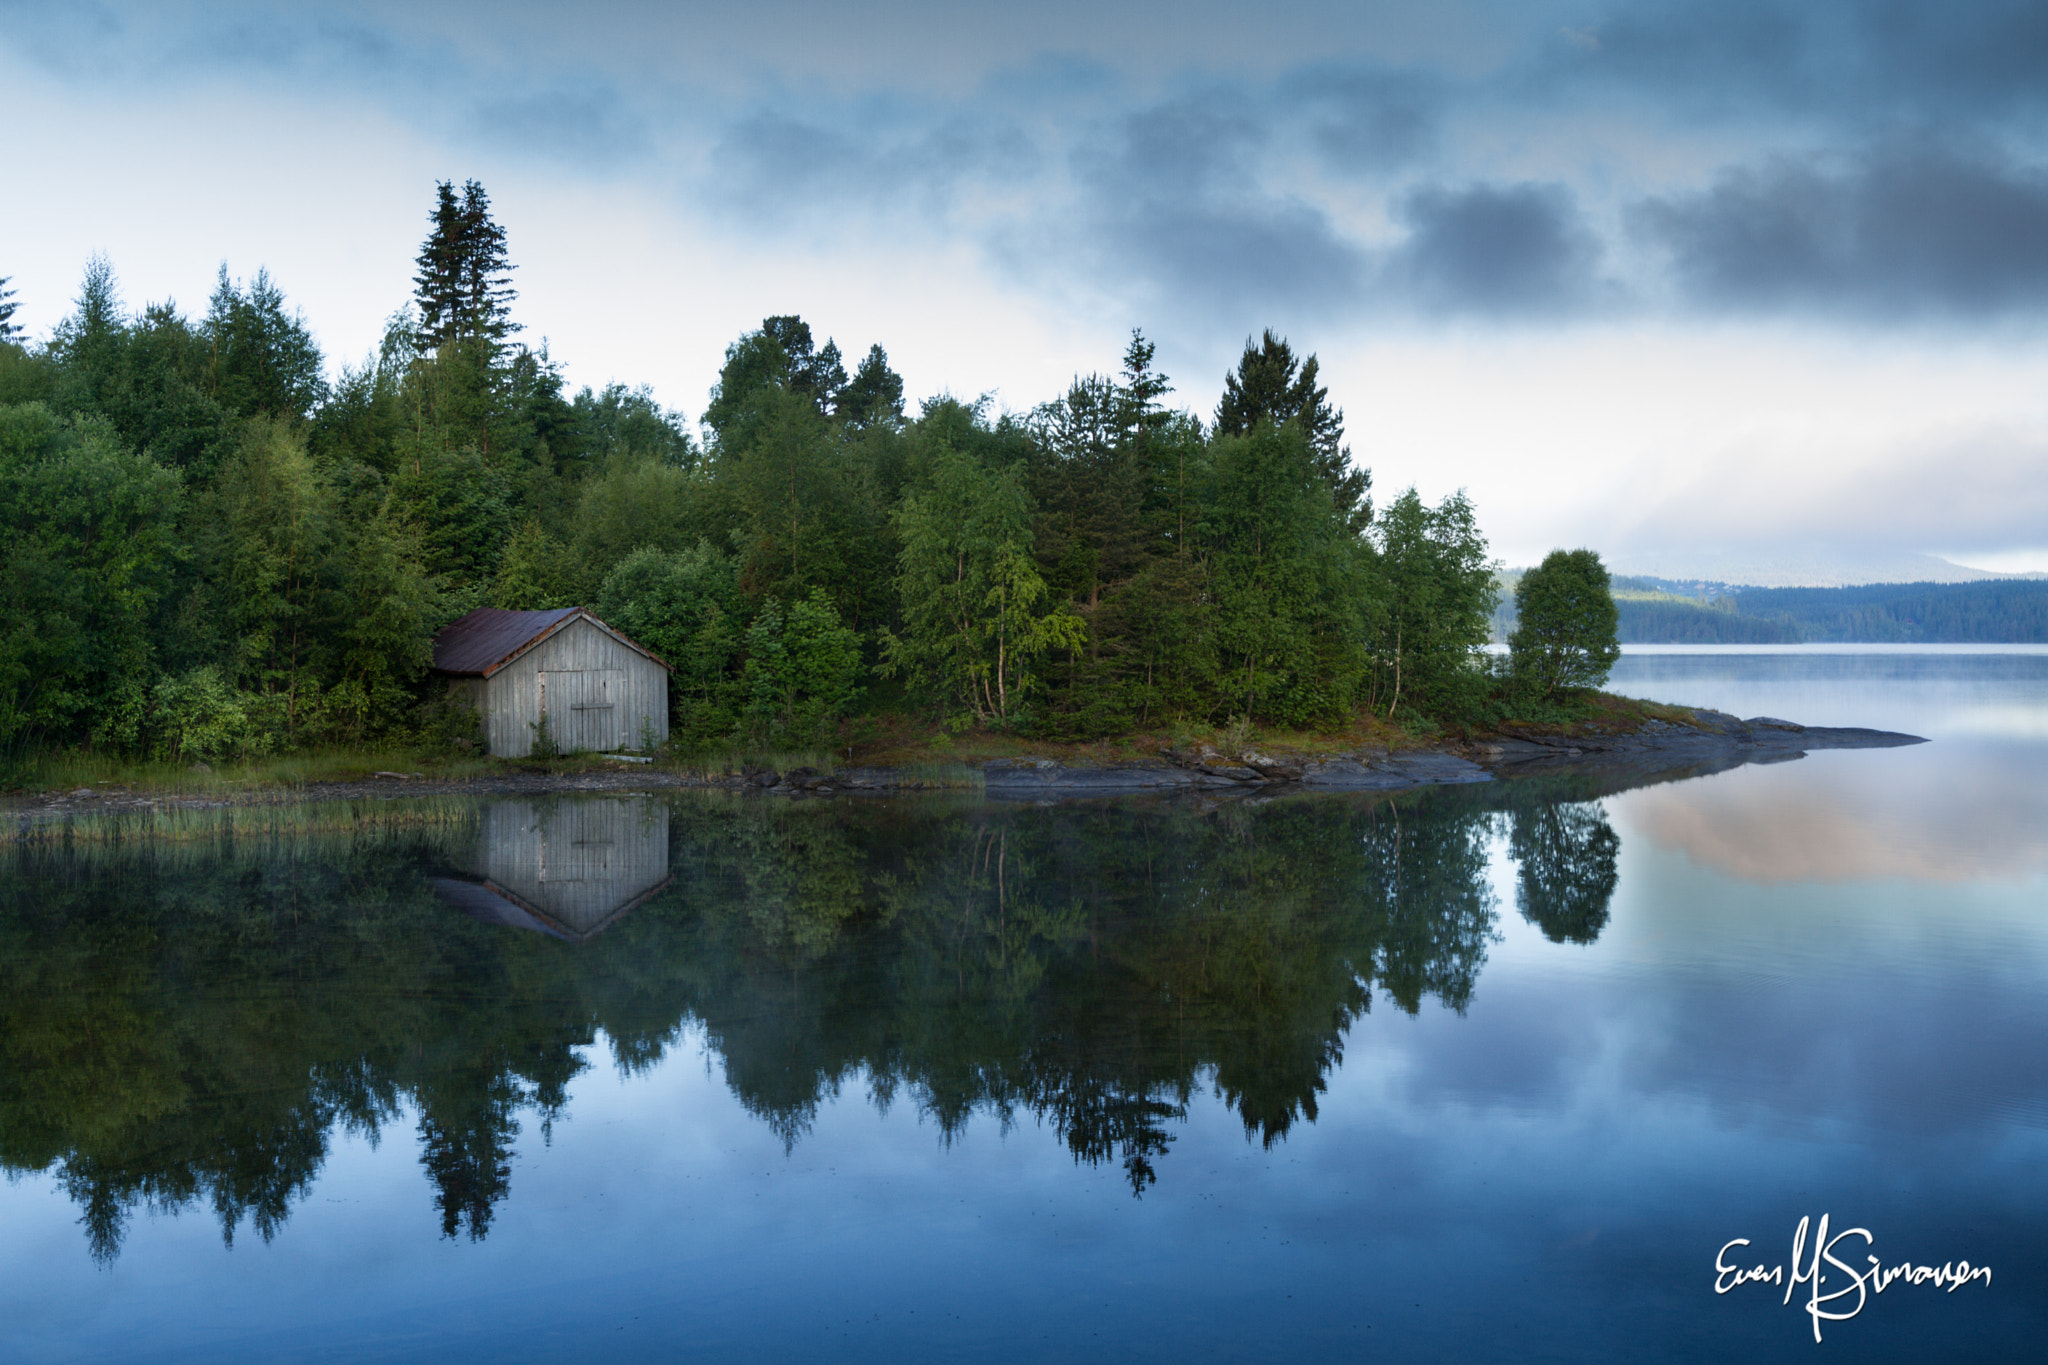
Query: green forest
216	544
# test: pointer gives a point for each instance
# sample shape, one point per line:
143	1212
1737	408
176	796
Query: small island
233	574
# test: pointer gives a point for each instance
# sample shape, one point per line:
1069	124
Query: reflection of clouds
1828	820
1901	1046
1996	722
1930	690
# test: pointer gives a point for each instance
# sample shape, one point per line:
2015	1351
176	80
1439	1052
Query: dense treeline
214	546
1675	621
192	1023
1997	611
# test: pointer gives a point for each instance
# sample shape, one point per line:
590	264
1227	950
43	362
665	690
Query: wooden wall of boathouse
597	693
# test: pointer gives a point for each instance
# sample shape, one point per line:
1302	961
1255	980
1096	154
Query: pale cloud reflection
1824	819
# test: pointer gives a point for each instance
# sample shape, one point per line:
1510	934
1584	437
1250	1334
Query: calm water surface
1488	1073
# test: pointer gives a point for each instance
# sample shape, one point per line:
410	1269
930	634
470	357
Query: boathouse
597	689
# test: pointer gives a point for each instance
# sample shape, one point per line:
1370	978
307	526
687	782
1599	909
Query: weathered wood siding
597	693
575	861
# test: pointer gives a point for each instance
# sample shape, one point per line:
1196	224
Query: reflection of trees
188	1025
1567	853
185	1026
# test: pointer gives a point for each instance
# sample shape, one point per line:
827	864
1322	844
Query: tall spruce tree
8	330
437	287
464	288
1270	385
1143	386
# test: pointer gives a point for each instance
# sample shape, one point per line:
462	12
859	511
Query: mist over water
1486	1073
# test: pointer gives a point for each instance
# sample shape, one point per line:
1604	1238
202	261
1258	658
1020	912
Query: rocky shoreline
1711	738
1710	741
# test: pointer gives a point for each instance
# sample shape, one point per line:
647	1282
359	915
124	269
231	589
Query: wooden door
581	708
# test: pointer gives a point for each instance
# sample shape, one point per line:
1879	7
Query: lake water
1490	1073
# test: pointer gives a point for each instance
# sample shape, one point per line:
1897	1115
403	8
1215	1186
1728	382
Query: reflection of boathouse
567	867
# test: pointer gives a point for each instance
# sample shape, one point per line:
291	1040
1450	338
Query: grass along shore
934	755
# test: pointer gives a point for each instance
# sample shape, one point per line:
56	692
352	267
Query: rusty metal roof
487	637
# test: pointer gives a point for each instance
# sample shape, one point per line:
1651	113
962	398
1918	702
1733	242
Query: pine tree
1144	386
260	357
874	396
1267	387
463	287
486	278
8	331
437	288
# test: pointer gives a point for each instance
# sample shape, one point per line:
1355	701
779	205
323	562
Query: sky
1742	288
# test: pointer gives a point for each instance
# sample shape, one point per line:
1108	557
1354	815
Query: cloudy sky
1698	284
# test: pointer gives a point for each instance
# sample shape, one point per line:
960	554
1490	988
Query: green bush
802	673
198	717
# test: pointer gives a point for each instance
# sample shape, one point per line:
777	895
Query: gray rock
1434	768
1012	777
1347	774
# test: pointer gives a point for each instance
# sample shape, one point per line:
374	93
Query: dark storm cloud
1364	120
1178	199
1498	249
773	164
1914	229
1349	178
1167	199
1849	60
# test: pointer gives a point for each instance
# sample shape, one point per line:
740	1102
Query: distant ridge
1661	611
1818	568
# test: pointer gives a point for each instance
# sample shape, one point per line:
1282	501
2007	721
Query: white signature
1952	1275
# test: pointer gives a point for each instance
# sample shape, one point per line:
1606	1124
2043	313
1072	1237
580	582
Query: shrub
199	716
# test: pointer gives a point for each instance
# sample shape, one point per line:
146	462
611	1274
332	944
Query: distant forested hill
1679	621
1994	611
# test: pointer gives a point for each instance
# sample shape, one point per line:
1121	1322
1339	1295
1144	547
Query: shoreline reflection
191	1025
